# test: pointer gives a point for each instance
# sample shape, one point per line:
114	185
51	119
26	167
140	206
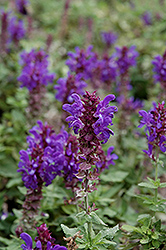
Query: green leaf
69	209
96	219
69	231
156	243
163	185
130	228
147	185
22	190
157	225
145	240
14	182
115	176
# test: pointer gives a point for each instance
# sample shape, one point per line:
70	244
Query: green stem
156	177
87	207
156	190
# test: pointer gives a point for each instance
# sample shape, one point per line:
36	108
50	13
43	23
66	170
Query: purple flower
129	104
21	6
80	61
106	160
67	86
35	70
44	159
90	118
104	113
28	240
16	29
125	58
75	110
155	124
147	18
108	38
159	69
43	241
57	247
109	70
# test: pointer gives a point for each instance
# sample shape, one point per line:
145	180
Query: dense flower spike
35	76
80	61
155	122
109	38
91	110
67	86
159	69
35	69
44	159
90	118
21	6
125	58
16	30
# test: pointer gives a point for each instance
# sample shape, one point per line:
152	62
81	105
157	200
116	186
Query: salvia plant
35	77
150	233
87	176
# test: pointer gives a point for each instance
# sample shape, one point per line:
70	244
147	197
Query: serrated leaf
69	231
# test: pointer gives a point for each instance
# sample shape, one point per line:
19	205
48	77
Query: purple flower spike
80	61
67	86
35	70
90	118
126	58
16	30
105	113
28	240
147	18
159	69
108	38
155	123
21	6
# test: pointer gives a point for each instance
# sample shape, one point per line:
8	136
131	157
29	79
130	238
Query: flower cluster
129	104
147	18
35	69
12	29
89	110
90	118
80	61
159	69
16	30
67	86
44	158
109	38
125	58
21	6
44	241
106	160
155	122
